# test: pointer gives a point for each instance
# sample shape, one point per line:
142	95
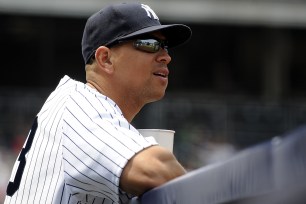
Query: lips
162	73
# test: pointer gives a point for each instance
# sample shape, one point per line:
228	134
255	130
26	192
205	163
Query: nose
164	56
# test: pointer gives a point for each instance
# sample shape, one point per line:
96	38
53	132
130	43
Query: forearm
148	169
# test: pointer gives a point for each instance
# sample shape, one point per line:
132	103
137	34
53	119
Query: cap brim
176	34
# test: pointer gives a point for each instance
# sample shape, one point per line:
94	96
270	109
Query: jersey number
14	186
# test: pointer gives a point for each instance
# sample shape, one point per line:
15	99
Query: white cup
163	137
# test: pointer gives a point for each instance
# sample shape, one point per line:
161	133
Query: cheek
135	67
138	67
132	73
139	77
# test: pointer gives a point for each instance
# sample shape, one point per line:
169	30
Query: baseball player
82	147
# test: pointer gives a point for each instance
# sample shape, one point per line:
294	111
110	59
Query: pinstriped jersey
76	150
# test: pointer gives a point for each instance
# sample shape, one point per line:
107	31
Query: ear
102	56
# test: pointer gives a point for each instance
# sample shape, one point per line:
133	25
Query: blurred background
238	82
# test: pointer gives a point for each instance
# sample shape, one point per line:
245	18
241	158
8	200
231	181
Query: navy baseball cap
127	21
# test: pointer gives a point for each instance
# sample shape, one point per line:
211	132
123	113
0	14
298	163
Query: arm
148	169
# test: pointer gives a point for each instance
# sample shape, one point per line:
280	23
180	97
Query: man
82	147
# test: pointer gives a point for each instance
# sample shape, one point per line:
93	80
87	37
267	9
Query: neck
129	107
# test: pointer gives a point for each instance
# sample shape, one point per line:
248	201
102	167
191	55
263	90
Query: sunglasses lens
148	45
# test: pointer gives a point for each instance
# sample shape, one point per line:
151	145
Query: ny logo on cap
149	11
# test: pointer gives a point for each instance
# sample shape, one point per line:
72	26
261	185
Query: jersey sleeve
97	144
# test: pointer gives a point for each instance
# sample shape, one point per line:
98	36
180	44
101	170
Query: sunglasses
148	45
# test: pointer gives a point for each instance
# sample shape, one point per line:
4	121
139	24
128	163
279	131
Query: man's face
141	75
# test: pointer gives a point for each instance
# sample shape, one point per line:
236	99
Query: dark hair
91	59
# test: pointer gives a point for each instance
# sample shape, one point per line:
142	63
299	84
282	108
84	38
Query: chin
157	97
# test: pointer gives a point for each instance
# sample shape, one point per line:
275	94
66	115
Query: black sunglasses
147	45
